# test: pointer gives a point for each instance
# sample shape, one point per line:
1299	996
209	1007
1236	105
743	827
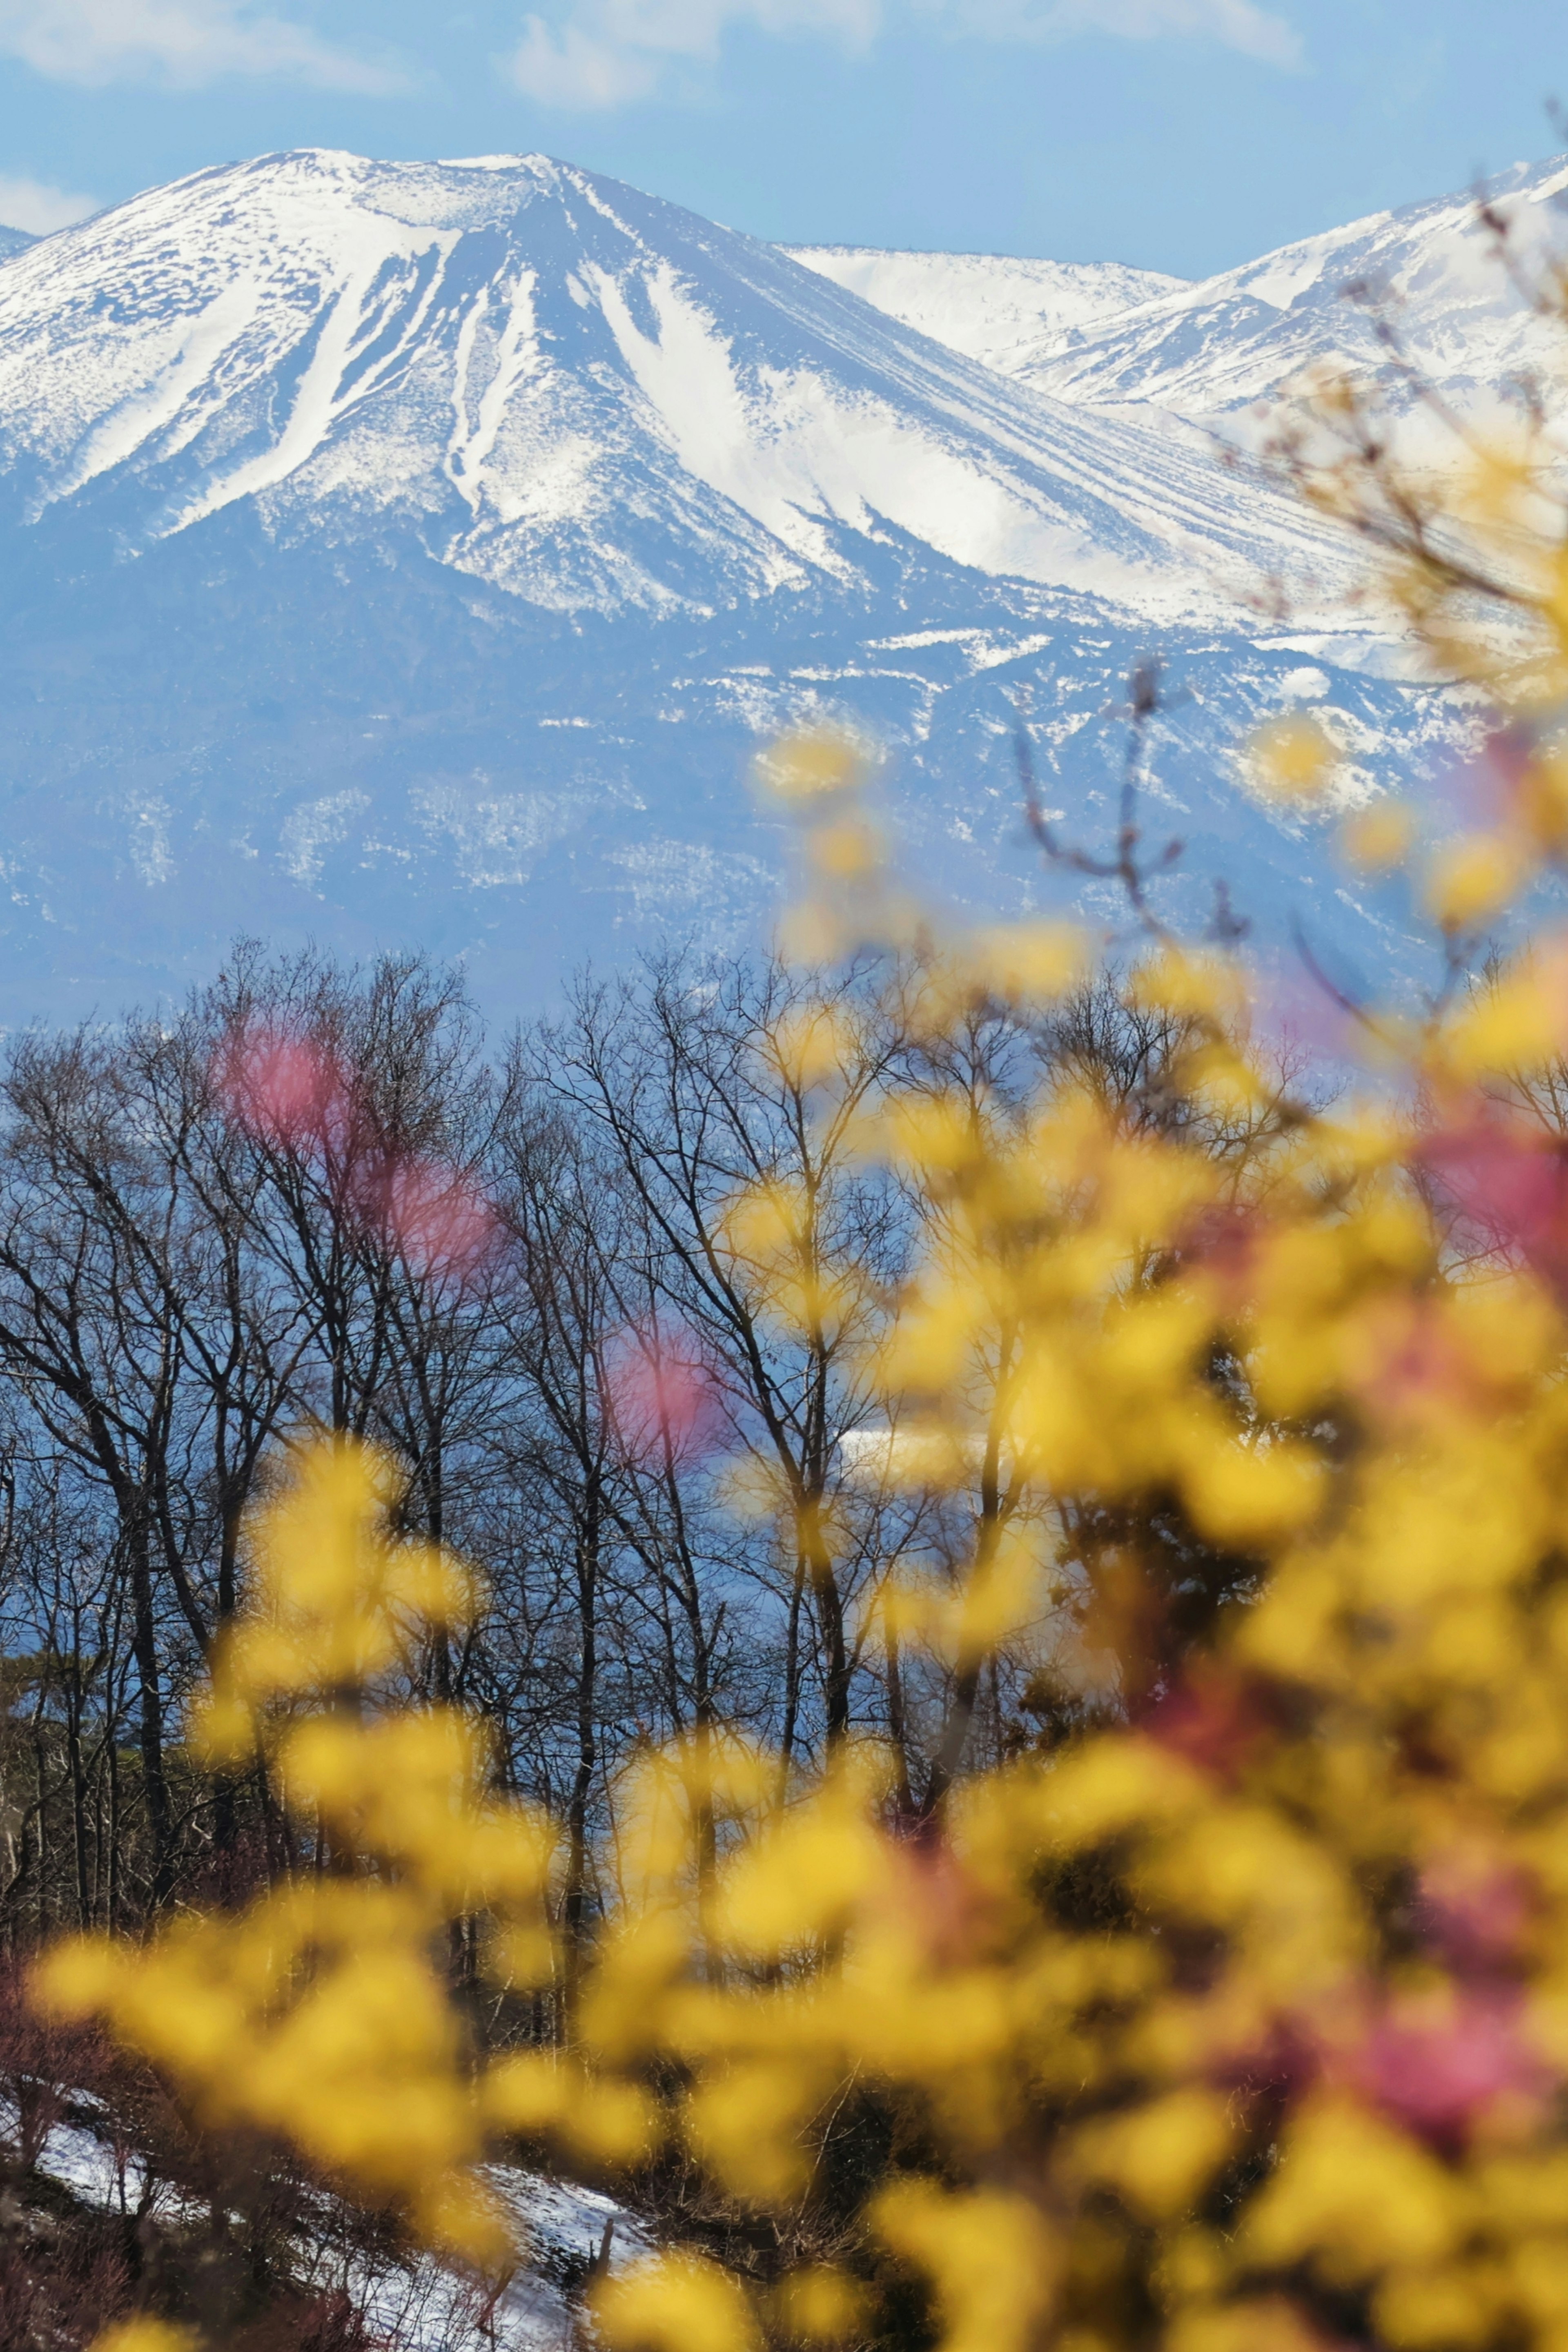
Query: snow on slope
1006	313
1207	351
14	240
414	2305
587	397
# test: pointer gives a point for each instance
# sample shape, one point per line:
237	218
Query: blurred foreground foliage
1229	2014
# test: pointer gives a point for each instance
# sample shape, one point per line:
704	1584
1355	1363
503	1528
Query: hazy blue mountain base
225	736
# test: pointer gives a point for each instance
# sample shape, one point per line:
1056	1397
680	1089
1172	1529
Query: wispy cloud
186	43
33	205
609	51
580	70
1235	24
606	53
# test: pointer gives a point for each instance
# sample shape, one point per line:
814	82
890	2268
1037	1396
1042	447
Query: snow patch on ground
417	2306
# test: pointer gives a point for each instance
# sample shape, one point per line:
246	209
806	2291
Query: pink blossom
1439	2062
1295	1016
1475	1908
1225	1242
438	1219
949	1911
282	1087
663	1392
1508	1184
1488	788
1408	1365
287	1089
1216	1719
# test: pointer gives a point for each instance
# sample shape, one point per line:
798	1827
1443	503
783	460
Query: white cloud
613	51
186	42
1237	24
32	205
576	70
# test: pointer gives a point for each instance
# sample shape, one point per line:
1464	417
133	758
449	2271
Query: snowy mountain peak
1164	351
415	553
585	396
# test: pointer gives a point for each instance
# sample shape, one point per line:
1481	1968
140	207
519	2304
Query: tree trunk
155	1779
574	1908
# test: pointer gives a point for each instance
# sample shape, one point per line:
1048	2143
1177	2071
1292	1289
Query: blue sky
1180	134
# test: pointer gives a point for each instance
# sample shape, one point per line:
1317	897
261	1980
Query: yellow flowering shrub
321	2013
1231	2016
1239	2017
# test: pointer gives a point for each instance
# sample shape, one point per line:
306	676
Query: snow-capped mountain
399	552
1008	314
14	240
591	400
1207	350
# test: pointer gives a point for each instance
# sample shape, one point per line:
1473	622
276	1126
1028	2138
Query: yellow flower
1159	2155
1376	839
1352	2194
1031	960
817	2304
814	765
1293	757
678	2304
1472	880
991	2258
144	2336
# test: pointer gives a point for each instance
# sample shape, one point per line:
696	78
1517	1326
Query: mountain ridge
1208	349
995	307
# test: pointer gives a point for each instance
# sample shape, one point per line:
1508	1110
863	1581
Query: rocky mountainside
402	553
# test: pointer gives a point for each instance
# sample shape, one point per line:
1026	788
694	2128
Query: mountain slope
1432	270
1001	311
14	240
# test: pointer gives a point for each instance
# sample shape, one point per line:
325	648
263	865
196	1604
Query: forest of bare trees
322	1197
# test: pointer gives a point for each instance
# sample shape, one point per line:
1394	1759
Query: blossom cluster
296	1095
